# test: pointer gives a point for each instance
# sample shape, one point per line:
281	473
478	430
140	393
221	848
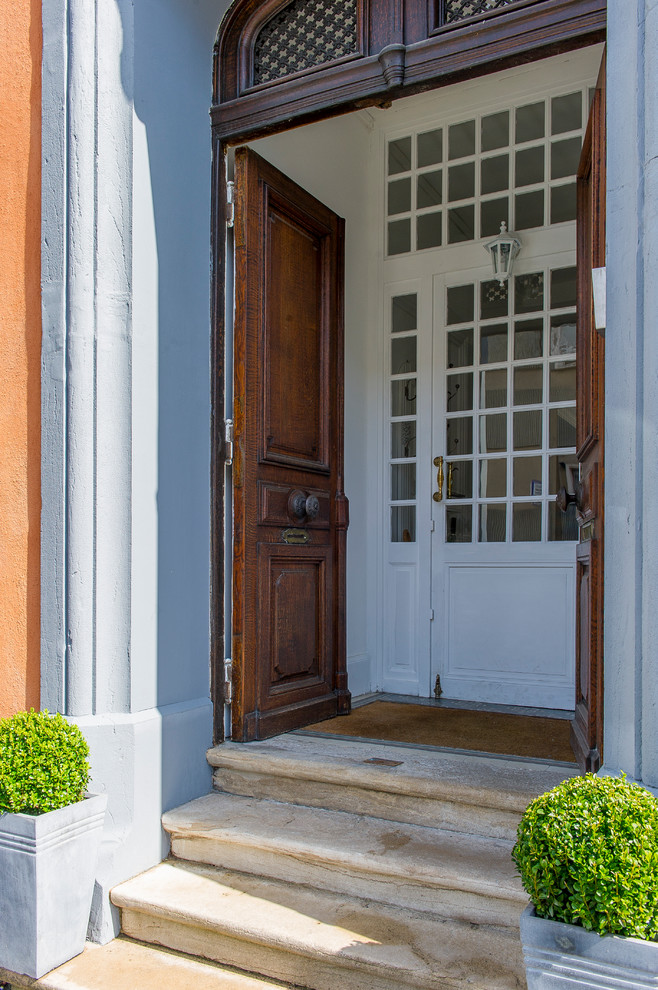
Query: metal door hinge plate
228	681
228	441
230	203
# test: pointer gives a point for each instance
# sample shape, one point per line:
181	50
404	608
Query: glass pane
460	304
563	335
459	479
529	210
493	478
566	113
562	526
430	148
399	196
460	393
461	182
404	313
461	224
562	473
459	436
530	122
563	288
403	482
493	433
403	355
459	527
461	139
494	174
495	131
399	236
527	476
565	156
563	203
399	156
460	348
493	524
528	339
563	382
530	166
527	429
403	439
403	524
493	343
528	385
529	293
403	397
493	388
493	212
428	231
526	522
493	300
562	427
429	191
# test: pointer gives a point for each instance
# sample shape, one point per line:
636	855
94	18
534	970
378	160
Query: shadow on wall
169	73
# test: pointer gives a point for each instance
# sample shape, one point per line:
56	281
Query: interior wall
333	161
20	342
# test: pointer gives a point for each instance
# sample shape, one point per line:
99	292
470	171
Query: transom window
458	182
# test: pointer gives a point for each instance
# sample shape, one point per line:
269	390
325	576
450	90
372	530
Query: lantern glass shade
503	249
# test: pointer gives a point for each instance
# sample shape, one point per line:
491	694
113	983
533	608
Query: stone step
312	938
470	878
127	965
458	791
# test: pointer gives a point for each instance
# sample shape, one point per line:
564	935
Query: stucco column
631	501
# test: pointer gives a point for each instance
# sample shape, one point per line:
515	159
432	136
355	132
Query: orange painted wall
20	347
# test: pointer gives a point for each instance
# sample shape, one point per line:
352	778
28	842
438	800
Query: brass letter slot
296	537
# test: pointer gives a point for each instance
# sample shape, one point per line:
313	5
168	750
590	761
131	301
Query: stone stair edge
187	916
328	854
258	762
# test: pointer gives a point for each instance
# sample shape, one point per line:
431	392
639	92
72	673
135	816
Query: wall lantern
503	250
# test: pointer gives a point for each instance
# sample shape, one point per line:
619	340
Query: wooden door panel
587	726
290	511
296	628
296	400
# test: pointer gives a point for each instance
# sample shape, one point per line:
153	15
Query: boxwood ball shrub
587	853
43	763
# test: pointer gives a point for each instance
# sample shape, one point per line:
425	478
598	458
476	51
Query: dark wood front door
587	727
290	511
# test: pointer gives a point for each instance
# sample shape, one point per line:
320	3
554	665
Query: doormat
455	728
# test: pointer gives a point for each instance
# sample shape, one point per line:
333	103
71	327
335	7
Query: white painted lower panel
400	629
509	634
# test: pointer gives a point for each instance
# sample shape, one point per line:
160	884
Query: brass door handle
450	480
438	463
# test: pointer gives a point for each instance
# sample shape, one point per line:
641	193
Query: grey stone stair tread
312	937
498	782
124	964
351	843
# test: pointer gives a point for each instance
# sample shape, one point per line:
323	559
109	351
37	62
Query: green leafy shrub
43	763
587	853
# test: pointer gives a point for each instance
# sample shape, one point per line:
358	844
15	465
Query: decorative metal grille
304	34
457	10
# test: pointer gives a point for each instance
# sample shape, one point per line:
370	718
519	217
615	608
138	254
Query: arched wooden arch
398	48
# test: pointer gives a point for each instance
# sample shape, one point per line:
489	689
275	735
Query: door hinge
431	615
230	203
228	681
228	441
437	687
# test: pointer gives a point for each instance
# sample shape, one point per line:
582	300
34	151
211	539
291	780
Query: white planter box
559	957
47	871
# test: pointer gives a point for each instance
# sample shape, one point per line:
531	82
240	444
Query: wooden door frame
404	50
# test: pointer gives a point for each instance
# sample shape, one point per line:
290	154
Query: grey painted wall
126	415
